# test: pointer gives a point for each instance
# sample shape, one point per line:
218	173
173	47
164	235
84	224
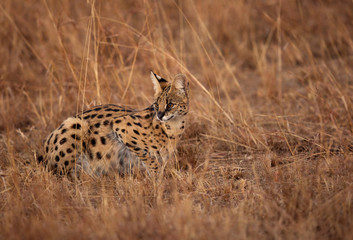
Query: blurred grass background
268	148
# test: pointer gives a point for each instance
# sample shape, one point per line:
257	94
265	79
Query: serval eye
155	105
170	105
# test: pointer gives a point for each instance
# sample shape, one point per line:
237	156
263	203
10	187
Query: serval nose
160	115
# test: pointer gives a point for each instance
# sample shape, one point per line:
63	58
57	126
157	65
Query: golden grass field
268	149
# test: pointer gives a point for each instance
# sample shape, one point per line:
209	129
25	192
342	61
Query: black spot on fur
66	163
182	127
118	121
99	155
154	147
56	139
138	124
137	148
93	115
156	127
62	154
123	130
63	131
57	158
150	108
76	126
46	149
116	129
74	136
62	141
144	134
164	132
87	111
56	148
136	132
40	158
129	124
51	135
61	126
73	146
103	140
108	115
93	142
97	109
97	125
100	116
69	150
84	145
134	142
108	156
87	117
132	116
96	132
147	116
106	122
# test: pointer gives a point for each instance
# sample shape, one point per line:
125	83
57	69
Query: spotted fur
116	138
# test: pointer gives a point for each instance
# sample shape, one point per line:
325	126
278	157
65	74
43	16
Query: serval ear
180	84
159	84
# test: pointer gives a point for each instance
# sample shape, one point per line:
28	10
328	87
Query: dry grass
268	150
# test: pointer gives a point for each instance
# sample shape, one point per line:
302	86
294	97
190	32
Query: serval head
171	98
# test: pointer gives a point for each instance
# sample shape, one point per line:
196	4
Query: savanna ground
268	151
